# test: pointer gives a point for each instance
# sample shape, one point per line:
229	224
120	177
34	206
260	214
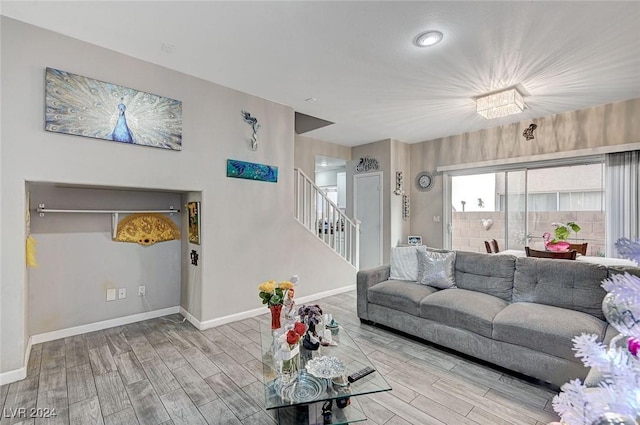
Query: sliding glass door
515	209
517	206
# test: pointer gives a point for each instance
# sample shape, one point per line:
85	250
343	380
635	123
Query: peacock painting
86	107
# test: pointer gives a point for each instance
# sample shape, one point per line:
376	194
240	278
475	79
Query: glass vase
276	310
290	366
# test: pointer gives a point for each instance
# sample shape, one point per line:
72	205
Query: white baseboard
91	327
13	375
21	373
262	310
17	374
303	300
190	317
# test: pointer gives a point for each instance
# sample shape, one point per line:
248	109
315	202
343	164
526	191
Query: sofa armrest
365	279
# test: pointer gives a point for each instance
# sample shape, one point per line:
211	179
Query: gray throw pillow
437	269
404	262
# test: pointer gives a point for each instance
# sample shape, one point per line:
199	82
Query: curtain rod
41	209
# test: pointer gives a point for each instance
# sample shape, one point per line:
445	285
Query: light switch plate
111	294
122	293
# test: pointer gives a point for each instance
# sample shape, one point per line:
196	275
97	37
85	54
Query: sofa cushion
400	295
560	283
461	308
437	269
404	262
491	274
545	328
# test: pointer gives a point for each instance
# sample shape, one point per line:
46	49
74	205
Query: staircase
322	217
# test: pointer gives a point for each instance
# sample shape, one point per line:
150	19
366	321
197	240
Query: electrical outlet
122	293
142	291
111	294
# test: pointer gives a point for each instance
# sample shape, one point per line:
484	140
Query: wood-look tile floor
161	372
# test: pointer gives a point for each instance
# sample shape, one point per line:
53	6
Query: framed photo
415	240
194	222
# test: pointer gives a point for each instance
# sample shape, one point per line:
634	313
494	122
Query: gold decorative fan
146	229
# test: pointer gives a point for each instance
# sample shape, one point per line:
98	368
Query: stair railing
322	217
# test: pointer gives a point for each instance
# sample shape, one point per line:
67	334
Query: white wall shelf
42	210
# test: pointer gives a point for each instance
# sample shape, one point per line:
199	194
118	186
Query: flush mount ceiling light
500	104
428	38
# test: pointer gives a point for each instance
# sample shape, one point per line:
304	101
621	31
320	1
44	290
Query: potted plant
561	233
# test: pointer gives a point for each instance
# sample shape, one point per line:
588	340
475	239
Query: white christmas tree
616	399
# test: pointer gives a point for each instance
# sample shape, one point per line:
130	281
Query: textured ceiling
357	58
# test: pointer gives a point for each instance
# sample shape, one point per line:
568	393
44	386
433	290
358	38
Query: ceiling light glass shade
500	104
428	38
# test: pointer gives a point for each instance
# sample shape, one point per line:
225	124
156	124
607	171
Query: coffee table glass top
310	389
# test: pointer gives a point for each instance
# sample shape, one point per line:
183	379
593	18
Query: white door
367	208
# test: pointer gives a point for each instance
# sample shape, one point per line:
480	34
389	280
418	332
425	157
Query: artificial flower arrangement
311	315
273	293
289	351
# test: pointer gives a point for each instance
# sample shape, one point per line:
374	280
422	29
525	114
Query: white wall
307	148
327	178
78	261
248	228
399	226
191	288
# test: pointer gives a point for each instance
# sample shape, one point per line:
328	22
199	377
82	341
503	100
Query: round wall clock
424	181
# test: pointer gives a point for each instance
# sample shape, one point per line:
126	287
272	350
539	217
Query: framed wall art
86	107
252	171
414	240
194	222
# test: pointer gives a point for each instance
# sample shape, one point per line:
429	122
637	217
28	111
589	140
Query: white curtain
622	184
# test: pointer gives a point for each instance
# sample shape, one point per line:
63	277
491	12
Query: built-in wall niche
78	260
331	176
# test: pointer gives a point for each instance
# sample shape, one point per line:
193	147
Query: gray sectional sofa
517	313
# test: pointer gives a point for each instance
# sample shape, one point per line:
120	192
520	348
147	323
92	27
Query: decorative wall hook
194	257
528	133
406	207
253	121
399	186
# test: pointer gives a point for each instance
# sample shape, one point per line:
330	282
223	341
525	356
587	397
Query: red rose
300	328
292	337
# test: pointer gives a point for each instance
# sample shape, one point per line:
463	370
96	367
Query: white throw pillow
404	262
437	269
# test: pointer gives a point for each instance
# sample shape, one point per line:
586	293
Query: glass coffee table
302	401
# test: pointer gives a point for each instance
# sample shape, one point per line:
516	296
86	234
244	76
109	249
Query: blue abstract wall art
252	171
86	107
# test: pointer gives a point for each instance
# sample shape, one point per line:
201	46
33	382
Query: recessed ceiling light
428	38
311	99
